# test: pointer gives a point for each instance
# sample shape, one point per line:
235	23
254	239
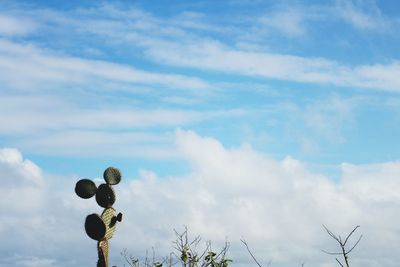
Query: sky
240	119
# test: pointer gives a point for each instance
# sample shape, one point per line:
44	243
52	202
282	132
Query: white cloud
375	183
41	218
317	123
40	115
45	112
183	48
86	143
164	41
277	206
363	15
290	22
15	26
329	117
378	75
48	124
36	262
214	56
294	20
29	67
20	178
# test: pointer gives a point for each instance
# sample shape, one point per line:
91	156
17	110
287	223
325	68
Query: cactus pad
85	188
105	196
110	220
112	176
95	227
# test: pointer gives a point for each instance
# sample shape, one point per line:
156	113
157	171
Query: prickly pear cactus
101	227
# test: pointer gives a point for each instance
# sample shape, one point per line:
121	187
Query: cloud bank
278	206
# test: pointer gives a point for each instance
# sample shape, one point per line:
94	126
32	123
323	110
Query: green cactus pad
105	196
95	227
85	188
112	176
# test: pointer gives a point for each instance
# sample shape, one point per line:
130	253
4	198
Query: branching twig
342	245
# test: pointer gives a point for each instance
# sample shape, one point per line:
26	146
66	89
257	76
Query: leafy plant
186	253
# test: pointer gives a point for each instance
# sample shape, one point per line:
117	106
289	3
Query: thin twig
350	234
354	245
331	253
339	262
251	254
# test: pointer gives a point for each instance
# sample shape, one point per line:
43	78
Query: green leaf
134	261
184	256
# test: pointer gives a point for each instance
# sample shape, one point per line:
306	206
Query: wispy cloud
192	67
165	41
364	15
215	56
186	49
36	262
29	67
290	22
46	124
318	123
62	115
296	20
85	143
15	26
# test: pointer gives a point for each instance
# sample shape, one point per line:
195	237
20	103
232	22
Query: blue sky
153	87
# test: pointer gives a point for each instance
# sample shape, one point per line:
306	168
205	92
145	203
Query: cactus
112	176
110	220
101	228
95	227
105	196
85	188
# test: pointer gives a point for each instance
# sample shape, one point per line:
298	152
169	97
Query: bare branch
354	245
224	249
350	234
339	262
342	245
331	253
251	254
331	234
